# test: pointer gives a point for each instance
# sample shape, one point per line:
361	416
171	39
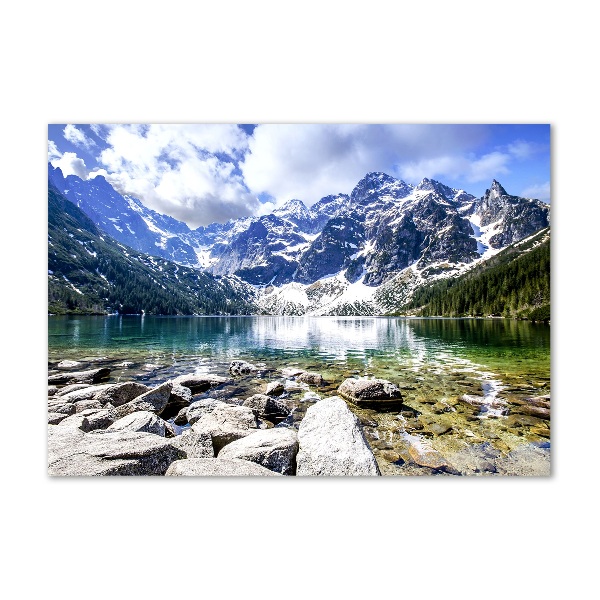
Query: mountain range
363	253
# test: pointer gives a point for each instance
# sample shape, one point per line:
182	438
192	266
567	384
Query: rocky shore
258	421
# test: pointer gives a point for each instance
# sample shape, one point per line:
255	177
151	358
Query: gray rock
332	442
91	376
310	378
65	408
122	393
268	408
56	418
68	364
181	417
378	394
194	444
139	421
180	398
72	387
274	449
275	388
198	409
88	420
241	367
155	400
201	383
226	424
217	467
72	452
87	405
87	393
52	389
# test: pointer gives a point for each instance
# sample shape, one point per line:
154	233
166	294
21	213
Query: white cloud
77	137
186	171
70	164
539	191
312	161
53	152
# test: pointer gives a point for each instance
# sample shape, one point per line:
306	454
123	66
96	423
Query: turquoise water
435	362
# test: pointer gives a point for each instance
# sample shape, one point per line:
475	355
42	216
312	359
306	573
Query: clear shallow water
432	360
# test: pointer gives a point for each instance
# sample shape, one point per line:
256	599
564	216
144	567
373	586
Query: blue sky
201	173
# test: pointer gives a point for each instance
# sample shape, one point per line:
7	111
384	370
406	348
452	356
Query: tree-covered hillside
514	283
90	273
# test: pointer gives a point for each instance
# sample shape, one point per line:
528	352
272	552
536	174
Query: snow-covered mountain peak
293	209
495	191
377	183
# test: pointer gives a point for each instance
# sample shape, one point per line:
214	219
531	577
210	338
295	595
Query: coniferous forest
514	284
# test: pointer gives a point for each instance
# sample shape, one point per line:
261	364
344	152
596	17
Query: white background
257	62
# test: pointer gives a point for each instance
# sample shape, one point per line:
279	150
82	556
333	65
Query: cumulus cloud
53	152
77	137
312	161
539	191
70	164
186	171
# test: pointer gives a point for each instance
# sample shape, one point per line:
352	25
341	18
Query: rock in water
275	388
332	442
217	467
378	394
72	452
274	449
310	378
201	383
241	367
91	376
268	408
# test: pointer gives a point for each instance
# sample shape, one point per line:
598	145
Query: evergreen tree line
515	284
112	278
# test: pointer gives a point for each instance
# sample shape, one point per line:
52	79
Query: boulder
241	367
87	405
87	393
72	387
88	420
52	389
65	408
181	417
201	383
275	388
180	398
139	421
56	418
196	410
194	444
226	424
378	394
72	452
217	467
274	449
268	408
155	400
332	442
310	378
122	393
91	376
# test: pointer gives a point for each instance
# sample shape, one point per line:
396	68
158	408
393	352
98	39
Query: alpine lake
467	384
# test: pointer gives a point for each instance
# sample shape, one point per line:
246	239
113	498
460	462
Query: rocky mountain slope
362	253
